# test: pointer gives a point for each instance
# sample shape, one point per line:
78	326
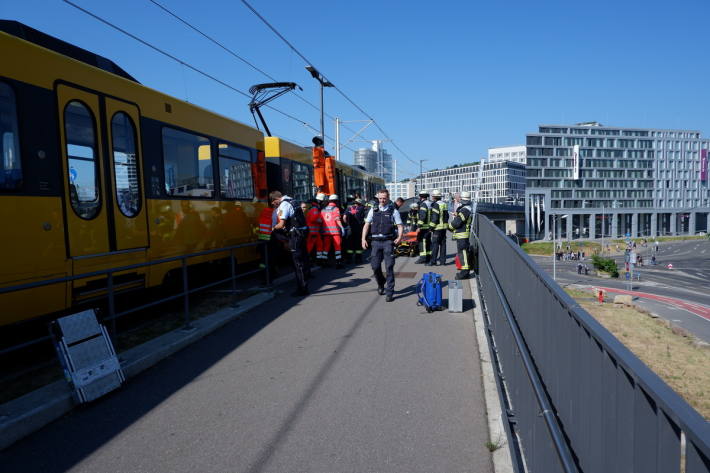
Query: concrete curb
29	413
502	460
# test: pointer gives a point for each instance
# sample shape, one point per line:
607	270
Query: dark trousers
299	255
424	241
462	248
383	250
353	243
438	246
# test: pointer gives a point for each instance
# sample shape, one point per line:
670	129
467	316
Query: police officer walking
438	224
423	233
461	227
292	222
382	220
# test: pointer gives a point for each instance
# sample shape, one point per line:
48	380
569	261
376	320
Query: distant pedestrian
579	268
586	270
653	260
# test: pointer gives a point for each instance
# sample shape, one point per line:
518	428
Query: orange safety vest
331	215
265	223
314	221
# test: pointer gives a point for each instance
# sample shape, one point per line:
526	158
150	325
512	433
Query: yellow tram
98	171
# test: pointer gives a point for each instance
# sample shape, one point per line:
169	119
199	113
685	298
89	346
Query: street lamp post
323	83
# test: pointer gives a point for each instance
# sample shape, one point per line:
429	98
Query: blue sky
445	80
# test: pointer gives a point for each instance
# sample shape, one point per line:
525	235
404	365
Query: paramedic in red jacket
333	230
315	225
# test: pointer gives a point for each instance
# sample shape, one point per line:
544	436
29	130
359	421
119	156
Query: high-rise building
375	160
591	181
507	153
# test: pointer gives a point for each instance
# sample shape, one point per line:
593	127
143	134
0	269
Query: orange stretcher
408	245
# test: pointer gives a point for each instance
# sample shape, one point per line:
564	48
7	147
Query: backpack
429	292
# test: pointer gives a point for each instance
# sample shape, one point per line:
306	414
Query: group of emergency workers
310	230
430	219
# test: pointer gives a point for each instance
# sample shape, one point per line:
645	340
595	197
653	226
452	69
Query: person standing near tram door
423	233
438	224
460	225
292	223
382	221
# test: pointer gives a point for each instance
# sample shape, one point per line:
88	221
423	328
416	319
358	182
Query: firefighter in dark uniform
382	221
438	224
292	222
460	225
355	219
413	217
423	233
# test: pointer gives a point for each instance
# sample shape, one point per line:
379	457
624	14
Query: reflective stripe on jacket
439	216
461	224
265	223
331	216
314	221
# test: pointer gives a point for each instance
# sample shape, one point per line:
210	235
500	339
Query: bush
607	265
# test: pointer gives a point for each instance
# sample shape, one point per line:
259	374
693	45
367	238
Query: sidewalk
338	381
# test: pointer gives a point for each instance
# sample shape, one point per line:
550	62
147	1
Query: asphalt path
680	295
339	381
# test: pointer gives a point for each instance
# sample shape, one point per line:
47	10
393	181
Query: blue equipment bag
429	292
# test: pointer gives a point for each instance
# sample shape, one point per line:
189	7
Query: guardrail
577	399
112	316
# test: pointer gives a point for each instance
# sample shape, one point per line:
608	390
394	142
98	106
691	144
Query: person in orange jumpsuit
315	224
333	230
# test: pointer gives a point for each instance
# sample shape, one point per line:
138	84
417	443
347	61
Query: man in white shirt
294	226
383	220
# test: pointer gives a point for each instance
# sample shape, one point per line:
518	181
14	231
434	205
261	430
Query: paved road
340	381
687	282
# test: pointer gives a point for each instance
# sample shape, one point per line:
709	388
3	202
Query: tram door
105	209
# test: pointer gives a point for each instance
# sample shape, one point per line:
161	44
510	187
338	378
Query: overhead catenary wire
188	65
234	54
293	48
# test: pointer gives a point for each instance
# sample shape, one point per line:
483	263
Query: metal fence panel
617	415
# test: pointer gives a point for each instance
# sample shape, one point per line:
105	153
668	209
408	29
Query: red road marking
692	307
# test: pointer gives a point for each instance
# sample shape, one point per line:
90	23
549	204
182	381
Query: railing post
186	294
111	305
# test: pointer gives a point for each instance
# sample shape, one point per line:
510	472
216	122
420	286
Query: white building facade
516	153
501	182
404	190
593	181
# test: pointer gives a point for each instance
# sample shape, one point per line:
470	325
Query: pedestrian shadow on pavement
339	285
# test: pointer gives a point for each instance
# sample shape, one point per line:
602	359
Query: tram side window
188	164
302	179
235	172
81	160
125	161
10	167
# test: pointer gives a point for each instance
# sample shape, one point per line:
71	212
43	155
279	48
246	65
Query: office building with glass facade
592	181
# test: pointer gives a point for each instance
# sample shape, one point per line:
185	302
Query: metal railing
112	315
578	400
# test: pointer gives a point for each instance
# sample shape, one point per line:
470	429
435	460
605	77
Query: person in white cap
461	227
333	230
439	223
